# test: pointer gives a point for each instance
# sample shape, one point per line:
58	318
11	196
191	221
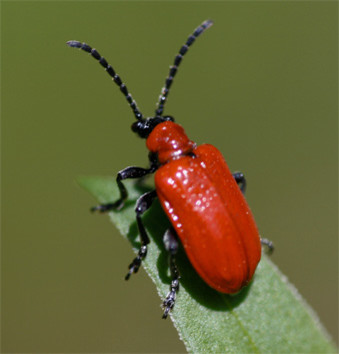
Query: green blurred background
261	85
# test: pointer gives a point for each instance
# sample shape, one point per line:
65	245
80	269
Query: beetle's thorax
169	141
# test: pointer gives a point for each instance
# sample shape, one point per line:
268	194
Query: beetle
203	200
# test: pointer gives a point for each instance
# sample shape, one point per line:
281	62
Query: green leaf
267	316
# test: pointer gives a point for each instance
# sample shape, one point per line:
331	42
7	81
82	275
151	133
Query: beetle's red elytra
210	215
203	200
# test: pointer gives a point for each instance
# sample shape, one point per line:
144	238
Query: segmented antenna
115	77
177	60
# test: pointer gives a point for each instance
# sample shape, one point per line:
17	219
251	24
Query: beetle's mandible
203	200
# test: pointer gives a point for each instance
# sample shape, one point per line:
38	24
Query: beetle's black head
144	127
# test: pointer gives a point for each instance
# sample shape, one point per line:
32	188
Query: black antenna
177	60
116	78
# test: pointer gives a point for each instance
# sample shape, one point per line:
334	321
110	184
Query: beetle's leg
240	179
143	203
171	245
128	172
268	244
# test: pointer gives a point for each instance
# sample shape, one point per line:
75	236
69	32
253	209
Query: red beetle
197	191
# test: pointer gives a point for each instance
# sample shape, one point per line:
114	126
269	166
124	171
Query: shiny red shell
206	208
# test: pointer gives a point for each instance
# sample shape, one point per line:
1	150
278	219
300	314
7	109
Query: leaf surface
268	316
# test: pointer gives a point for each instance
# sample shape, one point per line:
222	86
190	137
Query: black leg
171	245
268	244
143	204
128	172
240	179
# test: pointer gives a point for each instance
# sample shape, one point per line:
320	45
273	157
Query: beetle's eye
138	127
169	118
142	128
135	126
